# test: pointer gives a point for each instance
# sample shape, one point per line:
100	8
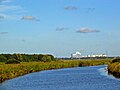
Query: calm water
80	78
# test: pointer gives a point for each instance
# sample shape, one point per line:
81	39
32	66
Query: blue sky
60	27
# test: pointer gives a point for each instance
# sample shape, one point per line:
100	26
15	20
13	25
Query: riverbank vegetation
8	71
114	68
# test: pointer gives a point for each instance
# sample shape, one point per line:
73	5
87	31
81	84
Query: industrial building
99	55
76	55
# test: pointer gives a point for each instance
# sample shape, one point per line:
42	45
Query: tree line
27	57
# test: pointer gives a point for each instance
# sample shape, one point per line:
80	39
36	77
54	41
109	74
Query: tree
52	57
8	56
18	57
12	61
3	58
46	58
27	57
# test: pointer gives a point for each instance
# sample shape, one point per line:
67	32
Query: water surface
79	78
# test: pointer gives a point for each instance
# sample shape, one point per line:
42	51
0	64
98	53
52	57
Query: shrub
116	60
12	61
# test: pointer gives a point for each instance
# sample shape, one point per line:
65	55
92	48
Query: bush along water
114	67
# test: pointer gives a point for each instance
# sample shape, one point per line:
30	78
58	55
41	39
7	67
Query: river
78	78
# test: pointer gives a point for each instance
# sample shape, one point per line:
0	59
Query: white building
99	55
76	55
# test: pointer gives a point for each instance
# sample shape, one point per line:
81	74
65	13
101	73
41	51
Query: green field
9	71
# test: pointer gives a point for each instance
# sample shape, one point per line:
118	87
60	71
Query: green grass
1	63
9	71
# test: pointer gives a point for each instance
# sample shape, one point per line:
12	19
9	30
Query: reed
9	71
114	69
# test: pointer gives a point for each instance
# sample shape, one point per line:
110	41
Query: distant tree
27	57
18	57
35	57
116	60
3	58
46	58
40	56
12	61
52	57
8	56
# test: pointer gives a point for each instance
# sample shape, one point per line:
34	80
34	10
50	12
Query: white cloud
70	8
23	40
4	8
2	33
29	18
10	11
61	29
7	16
5	1
1	17
87	30
90	9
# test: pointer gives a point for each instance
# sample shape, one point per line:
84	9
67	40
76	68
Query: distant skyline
60	27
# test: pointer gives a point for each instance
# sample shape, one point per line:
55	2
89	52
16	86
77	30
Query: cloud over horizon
32	18
90	9
5	1
4	8
8	17
23	40
1	17
8	10
71	8
87	30
2	33
61	28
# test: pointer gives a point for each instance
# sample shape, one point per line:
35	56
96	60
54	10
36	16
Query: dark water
80	78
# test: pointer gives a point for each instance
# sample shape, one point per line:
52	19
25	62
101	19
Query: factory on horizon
77	55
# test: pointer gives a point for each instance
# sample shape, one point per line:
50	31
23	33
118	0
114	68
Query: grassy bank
8	71
114	69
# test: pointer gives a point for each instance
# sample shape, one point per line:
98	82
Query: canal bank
78	78
9	71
